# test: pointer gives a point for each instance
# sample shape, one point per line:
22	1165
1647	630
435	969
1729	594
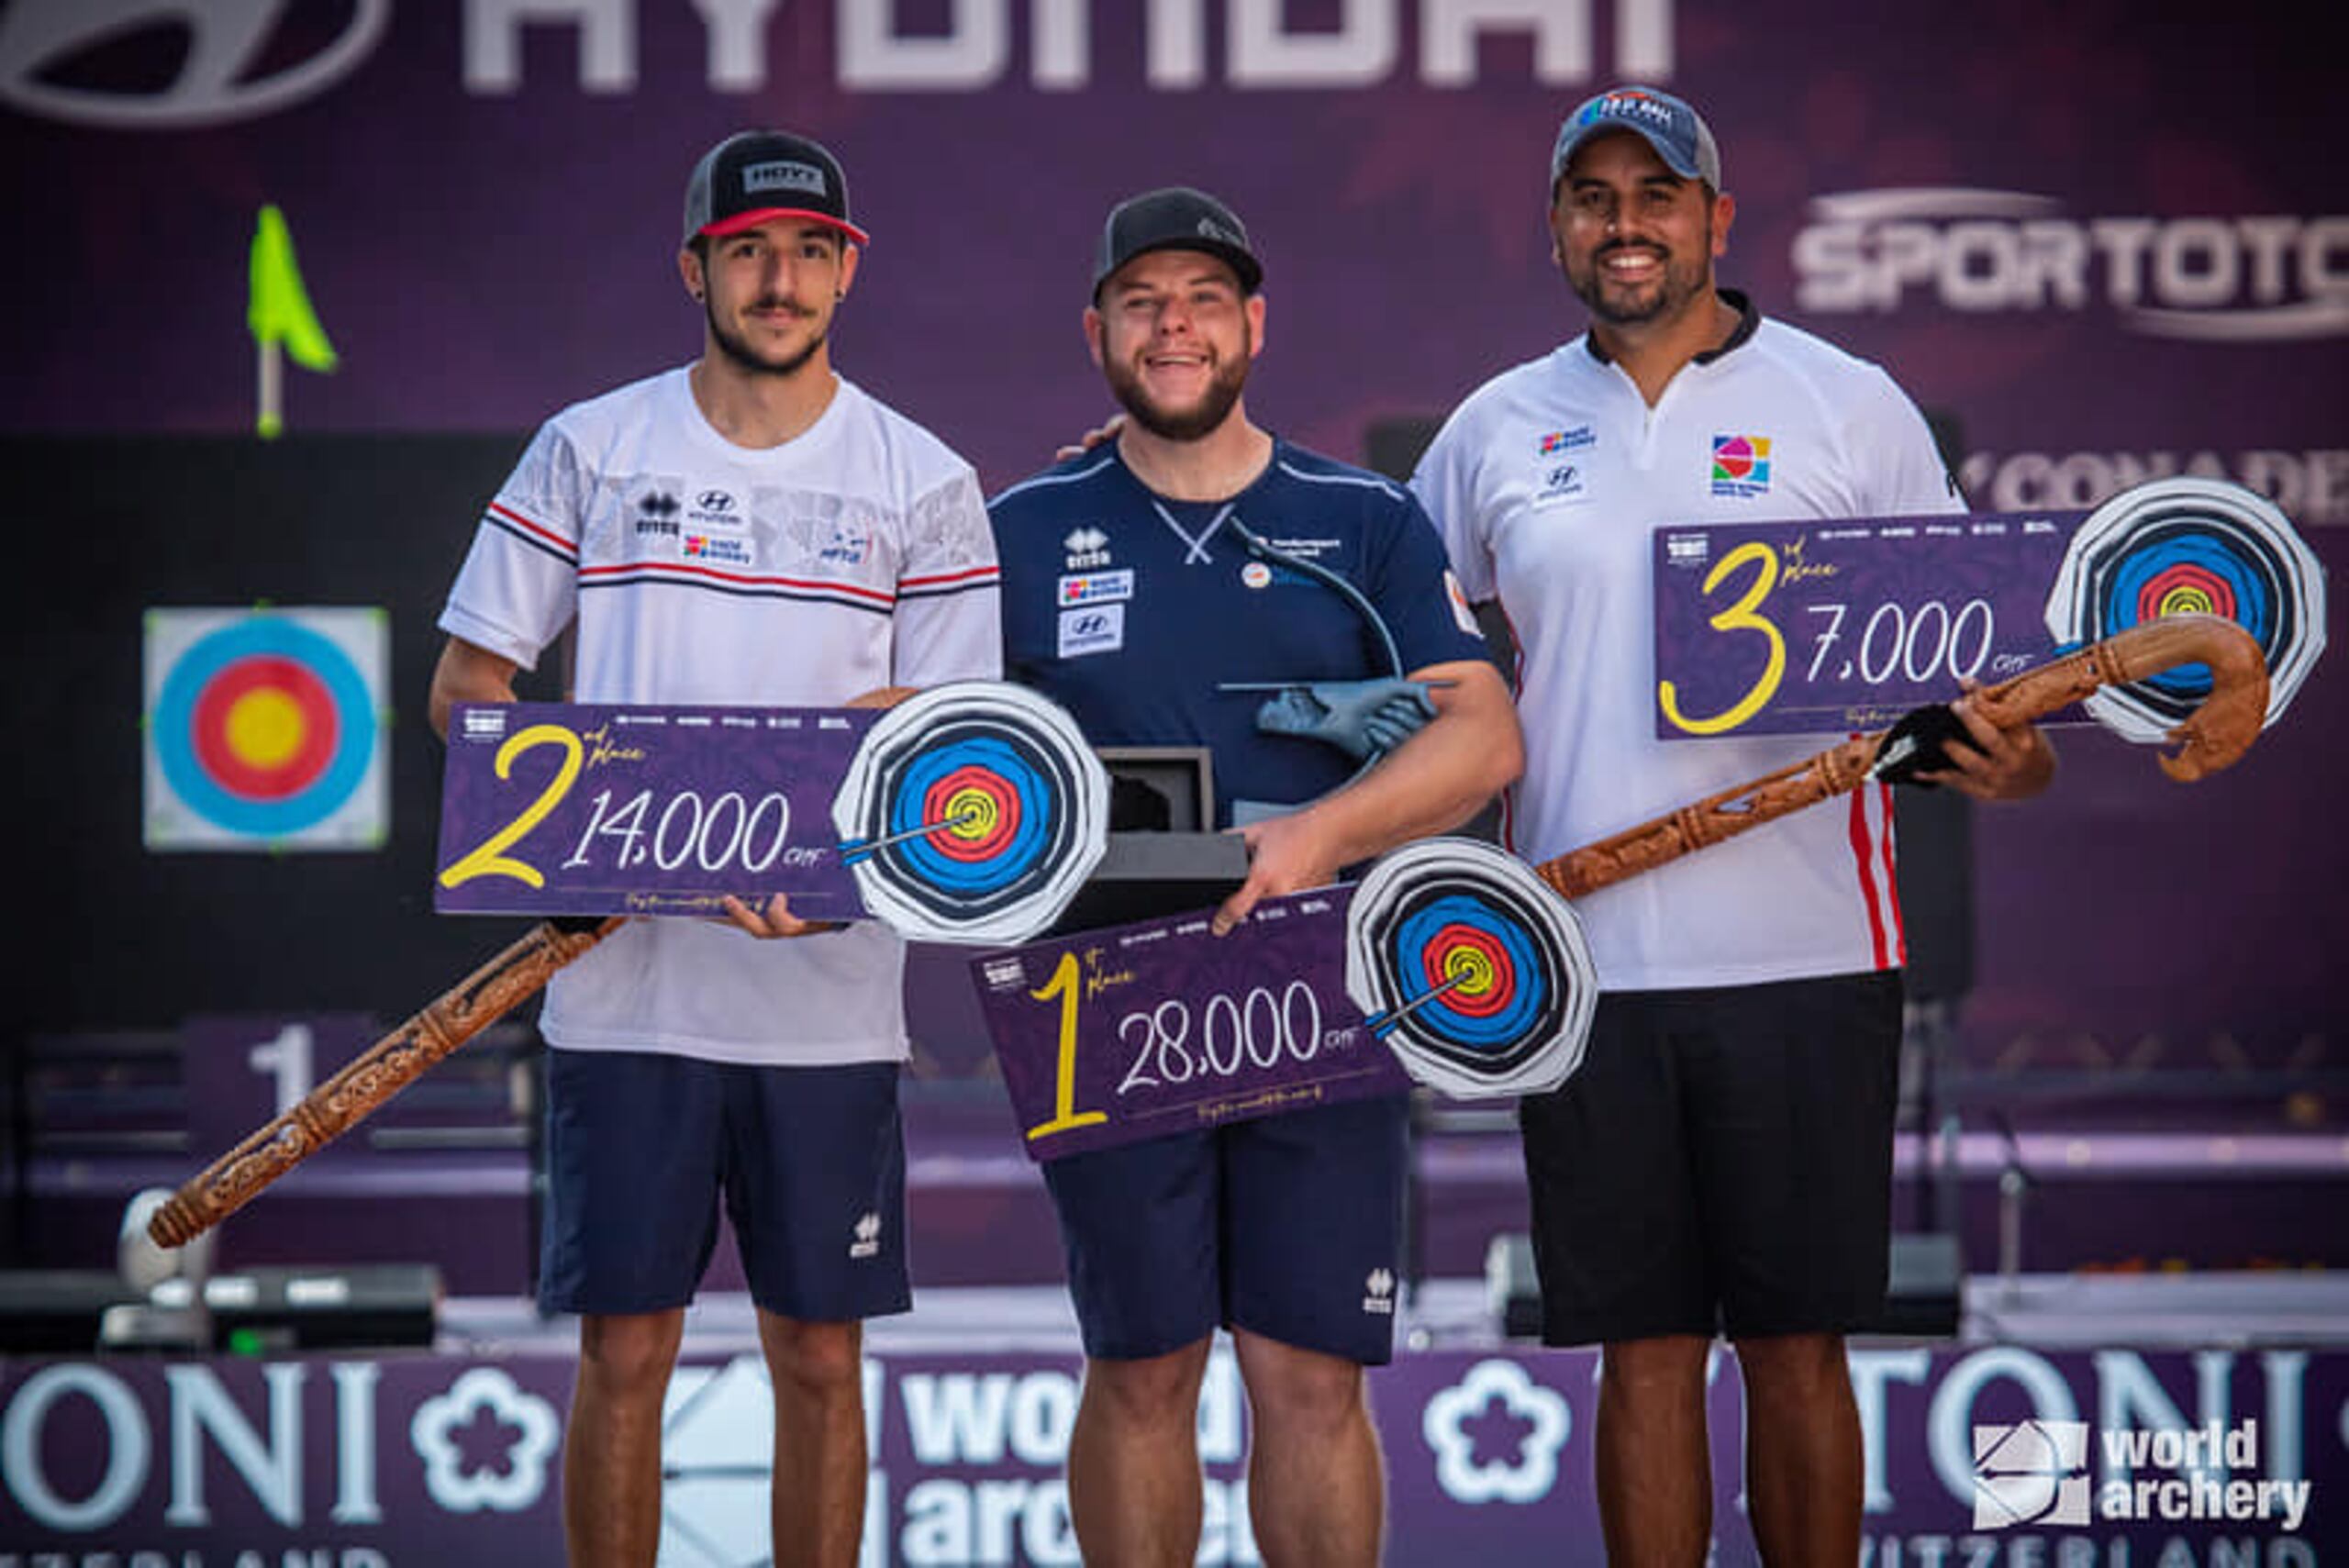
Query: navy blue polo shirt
1128	609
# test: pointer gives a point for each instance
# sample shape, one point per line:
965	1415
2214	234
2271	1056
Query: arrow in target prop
2188	546
972	812
969	812
265	729
1450	965
1826	627
1475	974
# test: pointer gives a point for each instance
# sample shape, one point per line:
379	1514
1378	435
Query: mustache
779	301
1609	247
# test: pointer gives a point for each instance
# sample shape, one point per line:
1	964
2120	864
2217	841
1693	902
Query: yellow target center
1473	969
976	809
2187	601
264	728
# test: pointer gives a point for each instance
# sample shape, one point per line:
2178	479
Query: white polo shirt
1547	484
855	556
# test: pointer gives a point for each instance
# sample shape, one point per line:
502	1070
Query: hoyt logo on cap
757	176
1175	218
1677	132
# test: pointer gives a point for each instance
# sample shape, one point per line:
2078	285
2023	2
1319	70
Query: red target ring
1492	981
967	789
2185	587
265	728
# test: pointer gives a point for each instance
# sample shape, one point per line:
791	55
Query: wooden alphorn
2210	738
386	1068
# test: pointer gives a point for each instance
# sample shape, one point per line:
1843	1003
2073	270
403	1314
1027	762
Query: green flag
278	313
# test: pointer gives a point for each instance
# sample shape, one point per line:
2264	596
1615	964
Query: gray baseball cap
1677	132
756	175
1175	218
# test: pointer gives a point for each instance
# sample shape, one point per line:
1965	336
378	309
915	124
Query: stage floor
2057	1312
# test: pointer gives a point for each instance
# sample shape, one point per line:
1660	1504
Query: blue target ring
1529	983
1023	849
971	812
179	754
1470	969
2179	547
2167	552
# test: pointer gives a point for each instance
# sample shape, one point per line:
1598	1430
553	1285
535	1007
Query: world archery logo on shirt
1559	477
1741	465
1096	588
728	551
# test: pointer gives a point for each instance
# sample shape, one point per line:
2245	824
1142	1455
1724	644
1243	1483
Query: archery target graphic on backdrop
971	813
1471	970
2177	545
266	730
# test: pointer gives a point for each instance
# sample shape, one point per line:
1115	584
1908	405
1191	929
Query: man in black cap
1143	579
747	529
1722	1161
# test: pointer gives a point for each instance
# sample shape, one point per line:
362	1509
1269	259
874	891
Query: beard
738	348
1214	407
1680	282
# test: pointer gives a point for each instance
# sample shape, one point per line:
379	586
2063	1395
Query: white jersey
1547	484
855	556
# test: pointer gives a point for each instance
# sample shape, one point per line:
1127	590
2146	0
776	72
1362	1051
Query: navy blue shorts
1288	1226
640	1147
1721	1162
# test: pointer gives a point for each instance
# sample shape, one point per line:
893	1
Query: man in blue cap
1721	1162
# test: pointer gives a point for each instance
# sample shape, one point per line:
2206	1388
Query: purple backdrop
2067	229
2105	247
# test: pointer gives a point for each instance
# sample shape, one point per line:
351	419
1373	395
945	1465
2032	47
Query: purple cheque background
481	260
1138	968
1917	565
721	755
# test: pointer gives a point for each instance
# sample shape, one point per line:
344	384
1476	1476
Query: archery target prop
2177	545
971	813
1471	969
266	730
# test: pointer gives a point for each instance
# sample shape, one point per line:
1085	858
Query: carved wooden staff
375	1075
2213	736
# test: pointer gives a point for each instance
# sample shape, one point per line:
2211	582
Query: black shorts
1720	1162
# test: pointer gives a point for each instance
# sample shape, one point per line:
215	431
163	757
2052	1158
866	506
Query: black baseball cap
1175	218
754	176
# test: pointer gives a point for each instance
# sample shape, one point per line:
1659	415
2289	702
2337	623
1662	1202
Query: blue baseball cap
1677	132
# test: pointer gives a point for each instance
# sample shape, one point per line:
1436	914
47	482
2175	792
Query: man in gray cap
1721	1162
749	528
1213	555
